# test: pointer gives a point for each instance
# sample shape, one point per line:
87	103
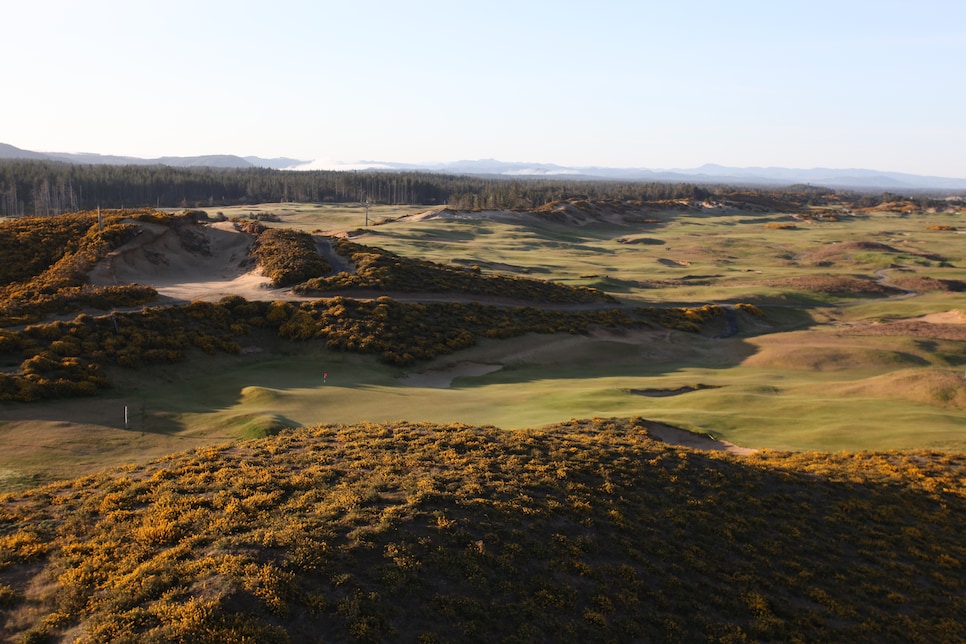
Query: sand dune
193	262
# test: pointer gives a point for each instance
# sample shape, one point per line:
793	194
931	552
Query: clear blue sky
638	83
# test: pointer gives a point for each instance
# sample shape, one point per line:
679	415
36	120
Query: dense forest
47	188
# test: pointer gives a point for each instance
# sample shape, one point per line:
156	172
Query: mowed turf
689	256
311	217
875	403
798	379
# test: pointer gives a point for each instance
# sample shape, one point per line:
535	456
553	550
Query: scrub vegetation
322	463
69	358
416	532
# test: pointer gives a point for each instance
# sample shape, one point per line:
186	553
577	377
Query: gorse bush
47	261
289	256
587	530
69	358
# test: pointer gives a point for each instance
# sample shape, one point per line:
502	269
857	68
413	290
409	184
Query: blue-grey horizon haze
845	84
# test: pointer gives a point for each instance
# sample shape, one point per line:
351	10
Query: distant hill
707	174
209	160
850	178
10	152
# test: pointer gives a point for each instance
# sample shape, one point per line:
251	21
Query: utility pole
367	212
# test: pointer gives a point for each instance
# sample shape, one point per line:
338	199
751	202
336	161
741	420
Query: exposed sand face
203	262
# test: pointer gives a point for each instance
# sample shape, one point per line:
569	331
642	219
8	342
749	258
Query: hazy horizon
872	85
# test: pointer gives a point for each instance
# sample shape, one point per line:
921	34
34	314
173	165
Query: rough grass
940	387
549	378
793	390
834	285
311	217
586	530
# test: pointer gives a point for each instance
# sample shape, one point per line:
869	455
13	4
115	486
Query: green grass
240	509
847	404
311	217
735	254
840	392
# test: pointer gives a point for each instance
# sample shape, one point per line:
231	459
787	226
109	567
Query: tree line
45	188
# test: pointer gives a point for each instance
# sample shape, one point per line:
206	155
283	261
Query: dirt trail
339	263
883	279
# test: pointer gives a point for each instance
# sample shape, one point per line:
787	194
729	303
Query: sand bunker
443	378
664	393
947	317
673	262
684	438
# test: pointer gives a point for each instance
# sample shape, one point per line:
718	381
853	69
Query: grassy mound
940	387
386	271
831	358
838	285
838	250
414	532
924	283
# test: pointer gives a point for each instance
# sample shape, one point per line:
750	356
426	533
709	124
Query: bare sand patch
684	438
194	262
443	378
946	317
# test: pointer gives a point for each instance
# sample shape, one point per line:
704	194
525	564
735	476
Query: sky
638	83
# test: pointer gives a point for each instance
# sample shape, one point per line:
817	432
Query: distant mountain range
707	174
209	160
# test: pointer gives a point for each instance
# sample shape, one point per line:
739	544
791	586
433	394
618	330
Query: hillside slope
588	530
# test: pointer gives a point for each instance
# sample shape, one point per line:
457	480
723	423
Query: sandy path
339	263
